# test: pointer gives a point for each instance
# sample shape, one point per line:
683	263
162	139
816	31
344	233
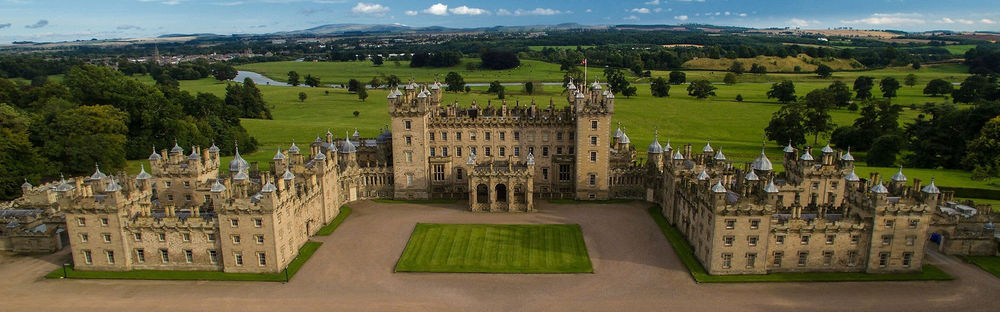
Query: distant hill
331	29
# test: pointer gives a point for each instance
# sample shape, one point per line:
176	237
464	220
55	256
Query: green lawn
959	50
305	253
495	248
329	228
988	264
686	254
341	72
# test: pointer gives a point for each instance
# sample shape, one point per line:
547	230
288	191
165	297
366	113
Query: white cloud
987	21
798	22
465	10
503	12
632	18
965	21
588	11
888	19
653	2
640	10
411	13
537	11
945	20
657	10
726	13
233	3
690	0
743	14
437	9
681	17
370	9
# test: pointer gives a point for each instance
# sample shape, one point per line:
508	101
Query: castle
190	213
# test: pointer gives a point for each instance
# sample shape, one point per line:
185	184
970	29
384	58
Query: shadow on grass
698	273
305	253
329	228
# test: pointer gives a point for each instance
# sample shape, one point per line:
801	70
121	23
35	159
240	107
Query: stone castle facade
188	212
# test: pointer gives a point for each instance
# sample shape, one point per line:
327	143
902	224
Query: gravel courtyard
634	270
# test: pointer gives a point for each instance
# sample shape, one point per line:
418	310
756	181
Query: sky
61	20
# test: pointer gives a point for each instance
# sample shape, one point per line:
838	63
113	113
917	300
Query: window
830	238
186	237
234	222
852	257
111	256
503	151
593	156
751	260
87	257
107	237
170	197
564	172
140	255
531	136
408	155
444	136
187	183
727	240
907	259
777	258
886	240
84	237
593	179
854	239
889	223
815	185
258	222
210	237
531	150
458	173
213	256
559	136
486	135
780	239
458	151
472	136
727	260
883	259
188	256
259	238
833	185
81	221
752	240
572	150
545	173
910	239
593	140
503	135
432	152
409	179
805	239
458	136
488	151
164	256
914	223
444	151
827	258
730	224
593	124
517	151
430	136
168	183
803	258
104	221
472	150
236	239
754	223
559	150
261	259
239	258
409	140
187	197
517	136
407	125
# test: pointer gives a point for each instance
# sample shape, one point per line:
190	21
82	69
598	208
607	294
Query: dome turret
238	163
899	176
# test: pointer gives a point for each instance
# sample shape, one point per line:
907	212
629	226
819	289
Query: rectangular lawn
495	248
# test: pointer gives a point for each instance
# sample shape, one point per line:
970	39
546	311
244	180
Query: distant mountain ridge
329	29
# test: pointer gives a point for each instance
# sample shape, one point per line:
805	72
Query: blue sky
57	20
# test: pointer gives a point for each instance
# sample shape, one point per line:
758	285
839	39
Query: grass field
773	63
686	254
341	72
988	264
959	50
495	248
566	47
305	253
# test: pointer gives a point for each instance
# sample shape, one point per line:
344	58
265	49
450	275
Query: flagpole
584	71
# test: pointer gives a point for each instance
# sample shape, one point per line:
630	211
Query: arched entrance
482	194
501	193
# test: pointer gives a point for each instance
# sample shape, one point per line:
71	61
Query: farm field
341	72
495	248
773	63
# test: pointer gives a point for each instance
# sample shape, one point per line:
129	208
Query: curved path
635	270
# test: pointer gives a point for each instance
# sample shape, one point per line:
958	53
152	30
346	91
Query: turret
654	151
898	182
144	179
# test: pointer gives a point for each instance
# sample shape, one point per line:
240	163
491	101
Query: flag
584	62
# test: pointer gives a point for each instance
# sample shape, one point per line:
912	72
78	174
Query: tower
593	141
410	114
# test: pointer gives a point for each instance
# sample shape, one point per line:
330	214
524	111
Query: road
635	270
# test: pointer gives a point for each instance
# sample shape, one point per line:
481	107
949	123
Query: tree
889	85
467	89
362	93
739	97
495	87
501	94
356	114
783	91
975	88
939	137
391	81
786	125
248	99
758	69
677	77
312	81
529	87
816	115
659	87
916	65
375	82
223	71
729	79
377	60
736	68
884	150
455	82
938	87
910	80
302	96
293	78
824	71
20	159
84	136
863	87
629	91
841	93
354	85
499	59
984	151
617	83
701	89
